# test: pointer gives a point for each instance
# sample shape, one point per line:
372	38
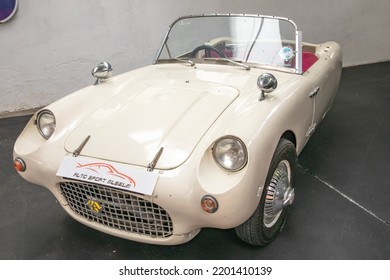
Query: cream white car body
184	109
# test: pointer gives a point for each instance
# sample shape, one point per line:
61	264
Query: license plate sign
111	174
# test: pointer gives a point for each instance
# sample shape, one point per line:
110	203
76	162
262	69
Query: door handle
314	92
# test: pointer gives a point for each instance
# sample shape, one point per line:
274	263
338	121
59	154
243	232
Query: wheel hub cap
279	194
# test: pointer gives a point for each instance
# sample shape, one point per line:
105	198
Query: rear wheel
277	196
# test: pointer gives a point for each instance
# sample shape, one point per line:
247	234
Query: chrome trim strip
298	51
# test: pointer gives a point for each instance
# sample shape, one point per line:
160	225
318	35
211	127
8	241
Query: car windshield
249	40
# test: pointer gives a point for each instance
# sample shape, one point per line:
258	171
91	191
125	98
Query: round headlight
230	153
46	123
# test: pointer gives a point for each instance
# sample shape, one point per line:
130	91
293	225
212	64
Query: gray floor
342	209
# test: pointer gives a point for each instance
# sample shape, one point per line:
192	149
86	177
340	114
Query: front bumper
172	215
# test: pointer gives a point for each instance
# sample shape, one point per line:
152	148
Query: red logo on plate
105	168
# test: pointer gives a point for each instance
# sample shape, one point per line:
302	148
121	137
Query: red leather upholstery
308	59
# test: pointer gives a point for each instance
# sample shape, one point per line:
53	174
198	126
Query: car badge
94	206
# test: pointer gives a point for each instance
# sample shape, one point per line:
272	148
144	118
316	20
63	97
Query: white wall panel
49	47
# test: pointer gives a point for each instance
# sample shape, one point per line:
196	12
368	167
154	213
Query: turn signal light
19	164
209	204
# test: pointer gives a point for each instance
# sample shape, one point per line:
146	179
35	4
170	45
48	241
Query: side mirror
102	72
267	83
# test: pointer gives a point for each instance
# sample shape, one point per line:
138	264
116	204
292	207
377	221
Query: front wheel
277	196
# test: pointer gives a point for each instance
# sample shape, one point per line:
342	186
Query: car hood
142	117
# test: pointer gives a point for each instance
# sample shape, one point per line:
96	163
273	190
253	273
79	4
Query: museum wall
49	48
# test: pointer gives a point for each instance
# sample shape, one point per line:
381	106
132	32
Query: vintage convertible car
207	136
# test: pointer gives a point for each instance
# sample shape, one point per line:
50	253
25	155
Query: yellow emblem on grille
94	206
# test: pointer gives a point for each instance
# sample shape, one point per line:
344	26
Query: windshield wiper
222	58
185	61
235	62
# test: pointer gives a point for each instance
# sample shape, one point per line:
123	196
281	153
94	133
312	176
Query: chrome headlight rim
41	114
243	150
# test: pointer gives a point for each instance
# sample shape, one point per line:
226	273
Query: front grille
117	209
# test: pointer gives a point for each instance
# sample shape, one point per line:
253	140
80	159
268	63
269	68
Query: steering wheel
208	50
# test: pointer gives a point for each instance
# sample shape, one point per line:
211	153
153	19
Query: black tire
268	219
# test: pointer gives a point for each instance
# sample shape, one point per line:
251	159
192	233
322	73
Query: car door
323	80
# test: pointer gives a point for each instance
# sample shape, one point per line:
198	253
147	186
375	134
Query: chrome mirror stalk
102	72
267	83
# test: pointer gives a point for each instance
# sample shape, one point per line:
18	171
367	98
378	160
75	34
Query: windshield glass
245	39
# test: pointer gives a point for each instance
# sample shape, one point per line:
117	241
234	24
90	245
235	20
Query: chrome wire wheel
279	194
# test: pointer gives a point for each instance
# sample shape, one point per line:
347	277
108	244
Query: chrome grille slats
117	209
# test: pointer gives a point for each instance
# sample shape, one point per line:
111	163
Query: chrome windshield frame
298	35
